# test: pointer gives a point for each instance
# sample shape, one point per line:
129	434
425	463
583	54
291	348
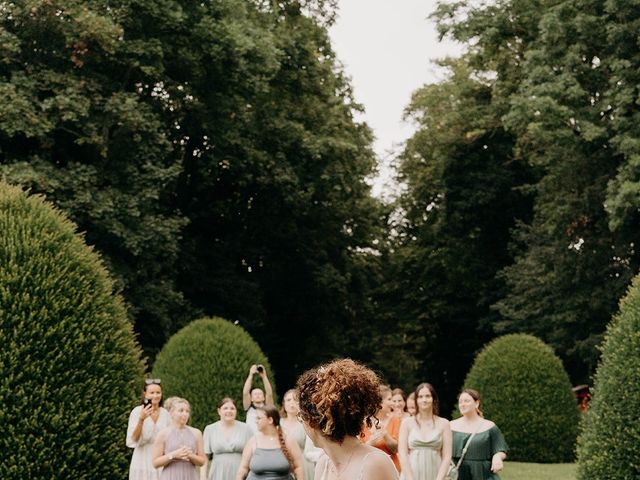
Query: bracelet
170	455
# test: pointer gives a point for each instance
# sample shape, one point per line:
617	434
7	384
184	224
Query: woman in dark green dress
487	449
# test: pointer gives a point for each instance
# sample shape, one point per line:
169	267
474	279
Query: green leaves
534	407
70	362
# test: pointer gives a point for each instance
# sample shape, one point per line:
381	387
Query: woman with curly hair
269	455
337	400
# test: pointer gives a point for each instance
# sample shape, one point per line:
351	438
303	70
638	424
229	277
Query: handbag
453	472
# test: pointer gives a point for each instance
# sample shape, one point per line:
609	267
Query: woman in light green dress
224	442
293	428
424	445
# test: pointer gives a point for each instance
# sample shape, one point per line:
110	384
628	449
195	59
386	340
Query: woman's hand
146	412
496	463
181	453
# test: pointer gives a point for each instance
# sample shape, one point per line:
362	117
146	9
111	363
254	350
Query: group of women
338	423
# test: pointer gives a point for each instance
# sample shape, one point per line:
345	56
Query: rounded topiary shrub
526	391
208	360
610	429
69	362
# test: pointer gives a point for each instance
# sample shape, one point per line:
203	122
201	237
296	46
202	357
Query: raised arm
246	389
268	391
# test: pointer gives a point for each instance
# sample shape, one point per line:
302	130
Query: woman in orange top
385	432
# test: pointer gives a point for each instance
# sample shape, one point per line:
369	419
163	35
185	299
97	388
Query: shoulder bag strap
466	446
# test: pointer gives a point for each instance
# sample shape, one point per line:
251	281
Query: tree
609	430
534	407
461	201
70	363
206	361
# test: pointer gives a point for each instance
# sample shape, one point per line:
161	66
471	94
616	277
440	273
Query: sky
386	47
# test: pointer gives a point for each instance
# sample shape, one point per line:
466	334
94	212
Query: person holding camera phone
145	421
254	398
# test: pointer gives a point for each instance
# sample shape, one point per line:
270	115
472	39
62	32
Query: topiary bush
526	391
69	361
610	429
205	361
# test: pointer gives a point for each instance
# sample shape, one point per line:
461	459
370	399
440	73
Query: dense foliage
610	430
206	361
209	151
526	391
70	365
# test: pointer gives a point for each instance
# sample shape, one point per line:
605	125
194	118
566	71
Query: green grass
538	471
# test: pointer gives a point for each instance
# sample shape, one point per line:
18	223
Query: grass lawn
538	471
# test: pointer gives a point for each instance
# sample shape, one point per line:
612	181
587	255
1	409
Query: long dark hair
435	405
272	412
144	392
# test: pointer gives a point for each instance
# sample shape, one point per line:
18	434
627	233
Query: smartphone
145	402
260	369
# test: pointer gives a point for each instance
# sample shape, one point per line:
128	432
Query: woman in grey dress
225	440
178	449
269	455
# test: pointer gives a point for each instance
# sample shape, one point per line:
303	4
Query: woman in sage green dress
224	441
487	449
424	445
292	428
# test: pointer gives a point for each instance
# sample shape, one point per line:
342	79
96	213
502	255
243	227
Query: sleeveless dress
424	455
227	454
476	464
324	466
269	464
179	469
141	467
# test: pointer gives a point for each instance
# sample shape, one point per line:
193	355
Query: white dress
141	467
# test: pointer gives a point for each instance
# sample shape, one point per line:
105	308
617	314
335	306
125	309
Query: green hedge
69	362
205	361
610	429
526	391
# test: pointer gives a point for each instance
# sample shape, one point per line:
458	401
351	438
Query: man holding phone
251	399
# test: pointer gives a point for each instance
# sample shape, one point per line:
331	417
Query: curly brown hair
339	398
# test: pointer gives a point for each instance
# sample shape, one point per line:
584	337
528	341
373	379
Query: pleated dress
424	454
227	454
476	464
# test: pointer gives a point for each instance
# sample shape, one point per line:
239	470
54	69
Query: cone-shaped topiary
527	393
208	360
70	365
610	429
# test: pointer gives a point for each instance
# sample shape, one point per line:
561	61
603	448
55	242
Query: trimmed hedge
526	391
610	429
205	361
69	361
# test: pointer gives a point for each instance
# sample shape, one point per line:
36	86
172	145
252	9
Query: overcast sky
387	47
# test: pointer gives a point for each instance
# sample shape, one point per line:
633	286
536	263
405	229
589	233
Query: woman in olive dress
225	440
487	449
424	445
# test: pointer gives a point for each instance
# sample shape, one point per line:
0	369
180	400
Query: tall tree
75	126
461	201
